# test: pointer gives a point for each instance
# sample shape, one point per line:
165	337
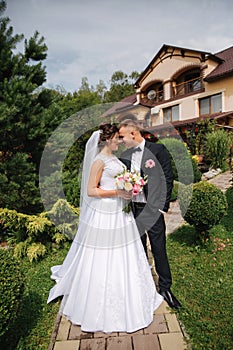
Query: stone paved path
223	181
164	333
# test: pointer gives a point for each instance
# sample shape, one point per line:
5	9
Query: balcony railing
159	97
187	87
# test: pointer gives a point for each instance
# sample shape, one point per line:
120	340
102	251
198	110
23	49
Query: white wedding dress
105	279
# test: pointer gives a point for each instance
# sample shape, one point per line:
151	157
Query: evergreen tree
23	130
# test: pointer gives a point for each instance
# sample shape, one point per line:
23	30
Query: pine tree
23	130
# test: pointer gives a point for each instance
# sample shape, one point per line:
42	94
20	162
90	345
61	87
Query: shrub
65	217
217	148
11	288
35	251
184	168
33	235
13	224
208	205
175	191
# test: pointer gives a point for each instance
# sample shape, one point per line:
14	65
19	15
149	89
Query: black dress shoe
171	299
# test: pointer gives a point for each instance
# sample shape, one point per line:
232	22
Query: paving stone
54	332
104	335
119	343
77	333
122	334
67	345
172	323
146	342
163	309
93	344
158	325
63	329
172	341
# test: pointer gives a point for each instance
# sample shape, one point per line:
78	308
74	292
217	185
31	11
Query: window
187	82
171	114
211	104
192	82
158	89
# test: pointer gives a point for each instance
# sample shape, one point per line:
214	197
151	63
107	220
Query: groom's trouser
157	237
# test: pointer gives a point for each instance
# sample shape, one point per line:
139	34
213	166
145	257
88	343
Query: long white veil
100	226
91	150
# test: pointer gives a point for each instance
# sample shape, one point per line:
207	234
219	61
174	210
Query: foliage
65	218
35	251
200	274
23	129
35	321
18	182
11	288
208	205
175	188
184	168
217	148
196	171
196	137
122	85
34	235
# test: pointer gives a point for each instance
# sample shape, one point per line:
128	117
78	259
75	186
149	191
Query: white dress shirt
136	161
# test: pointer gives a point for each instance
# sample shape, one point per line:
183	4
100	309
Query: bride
105	279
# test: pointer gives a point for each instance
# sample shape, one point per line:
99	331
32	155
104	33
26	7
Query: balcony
187	87
152	99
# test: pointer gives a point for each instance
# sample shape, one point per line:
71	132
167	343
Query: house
181	87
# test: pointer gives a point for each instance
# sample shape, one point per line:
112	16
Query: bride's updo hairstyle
107	132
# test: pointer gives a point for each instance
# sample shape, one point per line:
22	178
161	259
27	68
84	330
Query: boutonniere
150	163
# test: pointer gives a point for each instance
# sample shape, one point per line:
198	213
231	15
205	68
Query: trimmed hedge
11	289
207	206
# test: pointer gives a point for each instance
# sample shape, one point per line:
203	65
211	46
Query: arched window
189	81
153	92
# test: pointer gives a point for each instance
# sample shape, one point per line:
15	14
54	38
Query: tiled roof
224	68
124	103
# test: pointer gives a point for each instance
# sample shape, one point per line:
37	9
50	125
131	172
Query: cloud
95	38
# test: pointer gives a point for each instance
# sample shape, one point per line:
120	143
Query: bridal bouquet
130	181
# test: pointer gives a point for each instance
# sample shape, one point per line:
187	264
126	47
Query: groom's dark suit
157	193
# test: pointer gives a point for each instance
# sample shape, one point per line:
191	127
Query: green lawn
35	322
202	279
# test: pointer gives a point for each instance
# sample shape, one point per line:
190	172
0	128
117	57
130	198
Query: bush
208	205
33	235
11	289
175	191
217	148
184	168
13	225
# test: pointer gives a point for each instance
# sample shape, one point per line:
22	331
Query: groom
153	160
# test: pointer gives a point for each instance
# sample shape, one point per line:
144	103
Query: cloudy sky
95	38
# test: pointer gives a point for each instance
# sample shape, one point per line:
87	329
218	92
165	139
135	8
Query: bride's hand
124	194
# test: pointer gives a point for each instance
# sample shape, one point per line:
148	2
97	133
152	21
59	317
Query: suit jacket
160	177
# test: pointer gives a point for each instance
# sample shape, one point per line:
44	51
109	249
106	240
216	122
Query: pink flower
150	163
142	182
136	189
127	176
120	178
